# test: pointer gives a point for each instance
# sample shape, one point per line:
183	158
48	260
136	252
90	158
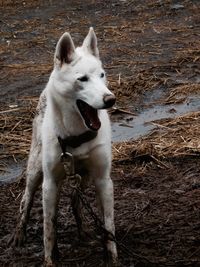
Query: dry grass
170	138
177	137
180	93
16	129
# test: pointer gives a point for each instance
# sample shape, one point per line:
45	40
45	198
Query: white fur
58	115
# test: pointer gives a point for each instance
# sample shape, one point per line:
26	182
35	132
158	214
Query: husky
71	111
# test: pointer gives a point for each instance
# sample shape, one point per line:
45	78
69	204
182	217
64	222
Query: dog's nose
109	100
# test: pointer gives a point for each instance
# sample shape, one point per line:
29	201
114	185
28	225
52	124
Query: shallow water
124	128
12	172
133	127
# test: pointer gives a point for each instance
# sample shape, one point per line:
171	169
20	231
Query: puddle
125	128
12	172
133	127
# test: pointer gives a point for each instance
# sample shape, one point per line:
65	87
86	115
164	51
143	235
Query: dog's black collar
77	140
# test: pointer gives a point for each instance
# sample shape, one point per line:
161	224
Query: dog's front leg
51	191
104	191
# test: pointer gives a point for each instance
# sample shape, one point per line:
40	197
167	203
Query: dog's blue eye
102	75
83	78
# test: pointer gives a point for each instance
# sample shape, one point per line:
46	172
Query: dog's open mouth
89	114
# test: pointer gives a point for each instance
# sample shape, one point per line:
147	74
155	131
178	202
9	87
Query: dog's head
80	78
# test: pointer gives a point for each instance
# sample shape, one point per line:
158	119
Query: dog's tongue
92	118
90	115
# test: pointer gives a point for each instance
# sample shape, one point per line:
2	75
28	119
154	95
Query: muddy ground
151	53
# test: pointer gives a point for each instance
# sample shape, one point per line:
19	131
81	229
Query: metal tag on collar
68	161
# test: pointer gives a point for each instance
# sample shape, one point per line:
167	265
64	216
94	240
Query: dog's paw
112	261
50	263
17	239
111	255
53	260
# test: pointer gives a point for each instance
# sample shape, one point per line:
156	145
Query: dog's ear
90	43
65	49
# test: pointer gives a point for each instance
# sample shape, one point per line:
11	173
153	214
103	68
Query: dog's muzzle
109	100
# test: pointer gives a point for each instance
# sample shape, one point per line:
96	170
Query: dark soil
145	45
157	214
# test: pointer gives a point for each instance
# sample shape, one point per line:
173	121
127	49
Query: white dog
71	109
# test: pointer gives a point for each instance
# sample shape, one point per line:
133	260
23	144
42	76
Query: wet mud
127	127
